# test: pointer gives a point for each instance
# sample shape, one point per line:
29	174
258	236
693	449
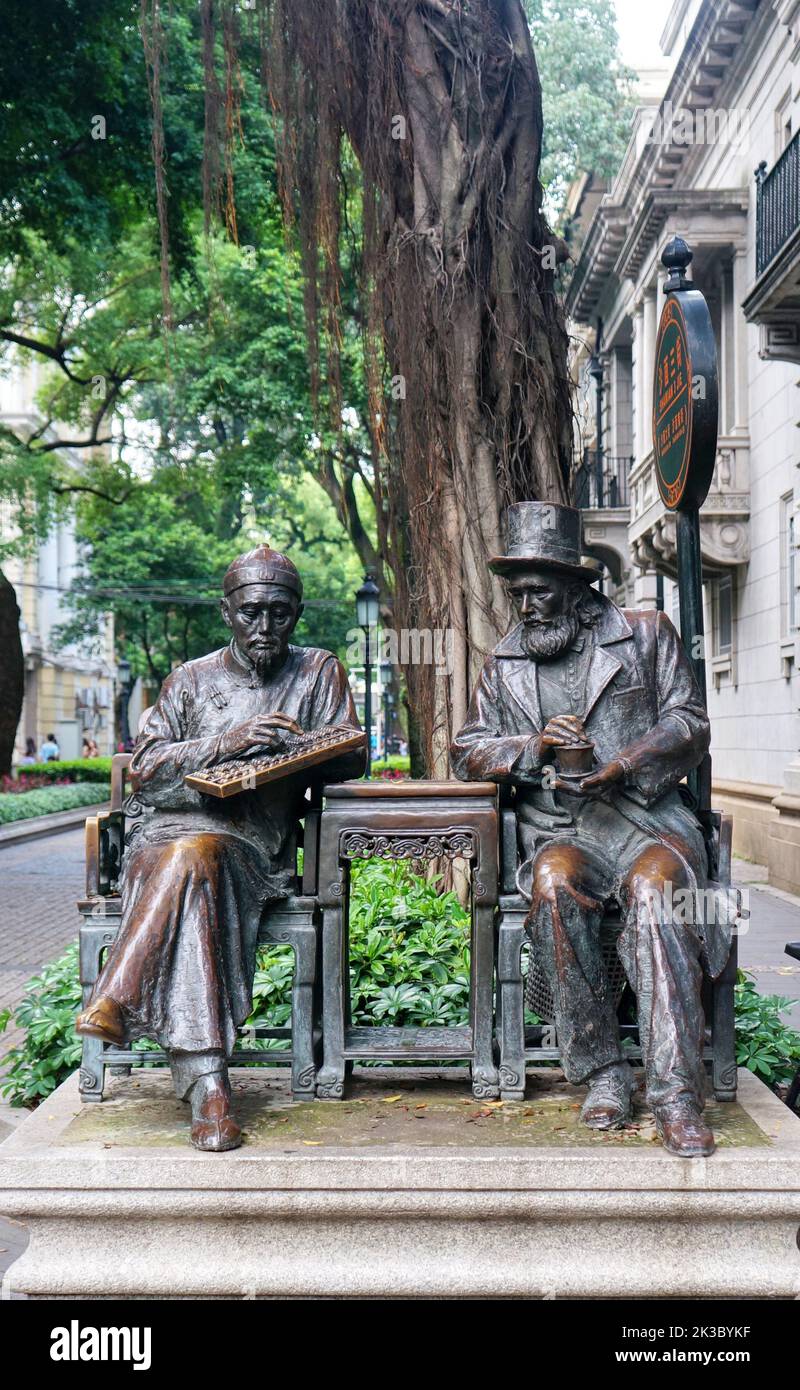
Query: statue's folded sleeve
164	755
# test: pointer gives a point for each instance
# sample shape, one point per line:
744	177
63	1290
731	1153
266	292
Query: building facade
69	690
731	105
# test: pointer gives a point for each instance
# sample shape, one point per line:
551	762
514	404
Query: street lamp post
367	611
596	373
124	676
388	712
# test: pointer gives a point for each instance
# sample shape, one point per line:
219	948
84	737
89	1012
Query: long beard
263	662
545	641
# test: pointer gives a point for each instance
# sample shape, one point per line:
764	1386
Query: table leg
485	1081
330	1079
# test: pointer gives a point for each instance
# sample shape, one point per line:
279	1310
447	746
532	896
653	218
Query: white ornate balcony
724	518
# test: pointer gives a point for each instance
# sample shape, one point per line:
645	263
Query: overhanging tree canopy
440	101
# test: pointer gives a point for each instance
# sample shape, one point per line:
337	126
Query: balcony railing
602	481
777	204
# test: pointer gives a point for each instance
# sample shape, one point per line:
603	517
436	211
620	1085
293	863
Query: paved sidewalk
40	883
775	919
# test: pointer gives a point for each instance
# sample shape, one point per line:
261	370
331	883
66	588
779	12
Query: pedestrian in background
49	750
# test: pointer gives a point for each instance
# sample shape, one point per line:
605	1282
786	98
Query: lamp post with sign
685	421
124	678
367	613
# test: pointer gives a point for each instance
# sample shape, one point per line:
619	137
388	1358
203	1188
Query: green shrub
46	800
764	1042
394	769
71	769
51	1049
409	965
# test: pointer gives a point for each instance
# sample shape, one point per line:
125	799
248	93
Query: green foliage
71	769
409	948
62	64
395	763
587	96
409	954
50	1050
764	1042
215	434
409	965
45	801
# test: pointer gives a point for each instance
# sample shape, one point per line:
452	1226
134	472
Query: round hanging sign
685	401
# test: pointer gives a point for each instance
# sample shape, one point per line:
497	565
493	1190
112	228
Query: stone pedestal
410	1188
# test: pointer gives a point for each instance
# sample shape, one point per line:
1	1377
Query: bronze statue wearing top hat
594	714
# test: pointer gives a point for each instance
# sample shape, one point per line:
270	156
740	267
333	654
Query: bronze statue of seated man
199	871
579	680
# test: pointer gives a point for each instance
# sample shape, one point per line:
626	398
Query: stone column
739	418
784	833
645	592
650	335
638	382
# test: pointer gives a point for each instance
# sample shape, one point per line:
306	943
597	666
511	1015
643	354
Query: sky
640	24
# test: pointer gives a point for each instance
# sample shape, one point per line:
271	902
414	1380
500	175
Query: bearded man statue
199	871
577	671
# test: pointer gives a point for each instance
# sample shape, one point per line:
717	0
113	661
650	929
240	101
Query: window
723	616
783	123
676	606
788	566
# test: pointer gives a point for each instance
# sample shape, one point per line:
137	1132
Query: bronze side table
407	820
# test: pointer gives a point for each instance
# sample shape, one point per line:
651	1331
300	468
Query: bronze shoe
103	1019
214	1129
683	1131
608	1103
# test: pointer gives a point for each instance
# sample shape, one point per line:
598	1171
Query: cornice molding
656	169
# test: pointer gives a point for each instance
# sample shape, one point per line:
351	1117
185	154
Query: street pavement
41	880
40	883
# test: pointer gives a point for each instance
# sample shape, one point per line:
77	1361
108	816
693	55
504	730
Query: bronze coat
198	870
642	703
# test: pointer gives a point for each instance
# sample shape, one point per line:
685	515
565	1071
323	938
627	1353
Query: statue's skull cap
262	566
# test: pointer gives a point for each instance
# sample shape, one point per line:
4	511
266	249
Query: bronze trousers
183	962
571	886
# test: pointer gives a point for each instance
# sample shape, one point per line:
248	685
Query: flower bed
46	800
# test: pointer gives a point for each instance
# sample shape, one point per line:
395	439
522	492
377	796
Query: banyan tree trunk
12	673
441	102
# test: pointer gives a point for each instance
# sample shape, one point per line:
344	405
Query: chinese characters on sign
672	406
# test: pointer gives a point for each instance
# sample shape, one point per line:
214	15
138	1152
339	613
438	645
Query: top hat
262	566
544	535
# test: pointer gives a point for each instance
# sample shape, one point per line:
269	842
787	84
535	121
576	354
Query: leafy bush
51	1050
764	1042
46	800
70	770
409	964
